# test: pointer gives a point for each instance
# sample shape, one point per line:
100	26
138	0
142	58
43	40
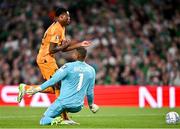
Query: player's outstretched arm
93	107
54	47
67	45
90	95
59	75
73	46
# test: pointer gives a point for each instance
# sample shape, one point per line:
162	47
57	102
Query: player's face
65	18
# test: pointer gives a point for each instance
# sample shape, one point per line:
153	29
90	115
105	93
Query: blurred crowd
135	42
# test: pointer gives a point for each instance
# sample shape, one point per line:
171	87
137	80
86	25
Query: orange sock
29	86
57	93
64	115
47	90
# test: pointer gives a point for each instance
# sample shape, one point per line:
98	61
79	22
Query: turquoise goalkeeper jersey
77	81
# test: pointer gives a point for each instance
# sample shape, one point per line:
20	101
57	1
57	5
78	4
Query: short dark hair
82	51
60	11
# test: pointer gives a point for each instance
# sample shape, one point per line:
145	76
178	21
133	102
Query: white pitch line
90	128
35	116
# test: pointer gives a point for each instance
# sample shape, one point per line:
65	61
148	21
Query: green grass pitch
107	117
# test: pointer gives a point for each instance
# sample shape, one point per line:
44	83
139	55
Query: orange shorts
47	69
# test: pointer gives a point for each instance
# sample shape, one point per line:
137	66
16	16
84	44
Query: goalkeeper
77	81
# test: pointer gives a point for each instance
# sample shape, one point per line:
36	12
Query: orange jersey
55	34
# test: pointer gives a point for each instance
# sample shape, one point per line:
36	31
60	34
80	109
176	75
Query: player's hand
33	90
94	108
65	43
86	44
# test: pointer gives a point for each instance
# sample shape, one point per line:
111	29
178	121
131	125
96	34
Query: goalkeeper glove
33	90
94	108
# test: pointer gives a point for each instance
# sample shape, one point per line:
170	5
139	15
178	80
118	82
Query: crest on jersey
57	37
64	66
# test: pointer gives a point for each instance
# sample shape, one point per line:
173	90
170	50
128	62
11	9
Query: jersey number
81	76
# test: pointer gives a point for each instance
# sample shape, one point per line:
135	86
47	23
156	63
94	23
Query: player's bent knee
74	110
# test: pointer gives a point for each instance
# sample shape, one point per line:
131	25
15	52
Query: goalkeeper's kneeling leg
46	120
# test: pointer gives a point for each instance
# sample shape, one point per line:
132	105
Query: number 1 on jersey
81	76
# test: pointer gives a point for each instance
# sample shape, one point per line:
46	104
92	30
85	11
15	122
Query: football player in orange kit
53	42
